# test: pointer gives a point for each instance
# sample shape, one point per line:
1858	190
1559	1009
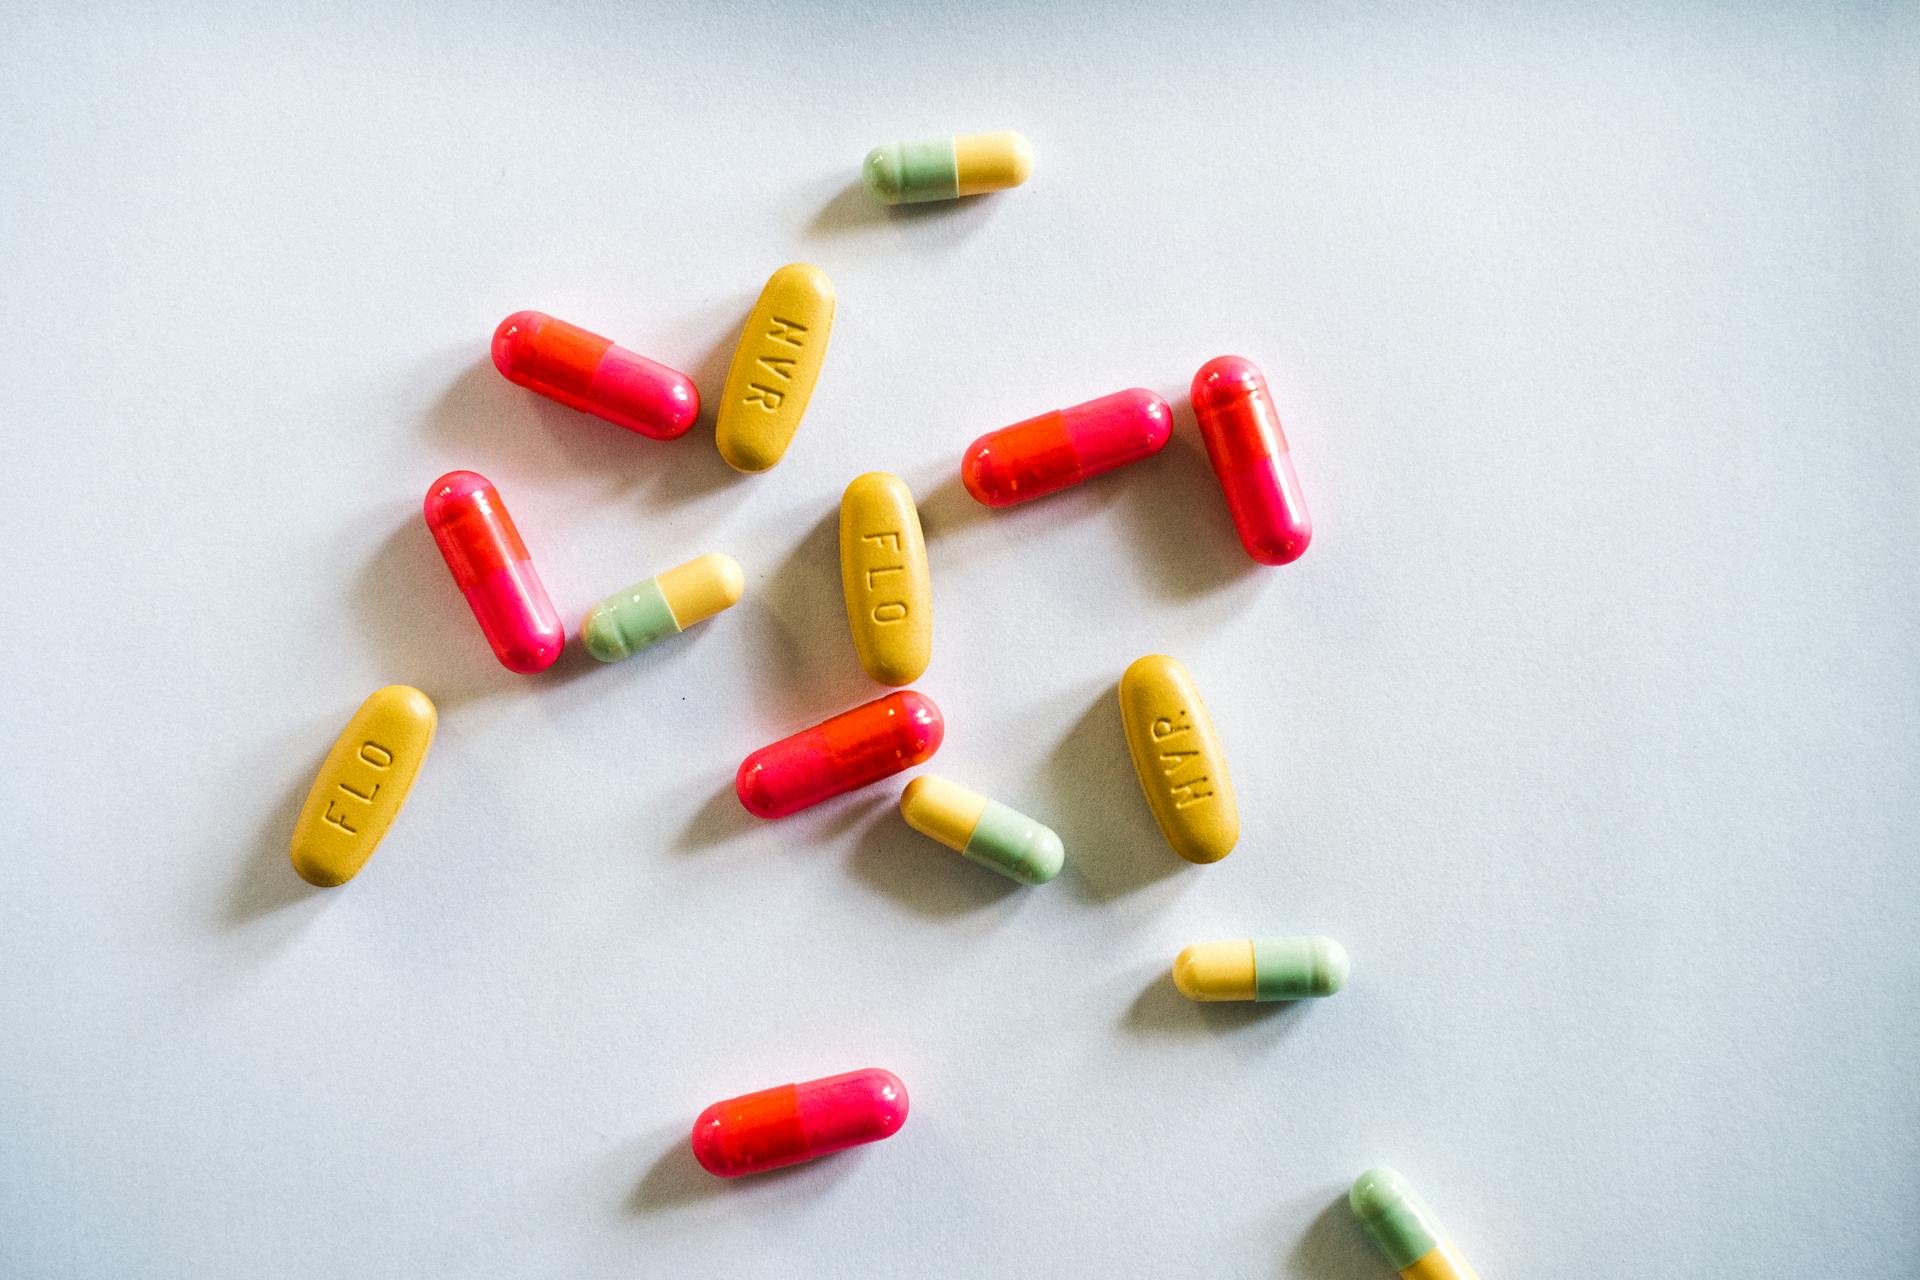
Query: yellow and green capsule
664	605
1404	1229
982	830
1261	969
947	168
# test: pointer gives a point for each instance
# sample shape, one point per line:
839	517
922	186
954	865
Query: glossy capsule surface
1261	969
1404	1229
489	562
587	372
664	605
1056	450
362	784
1249	455
982	830
969	164
854	749
792	1123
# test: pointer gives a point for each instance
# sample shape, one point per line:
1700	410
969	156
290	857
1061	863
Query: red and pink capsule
588	372
797	1122
490	564
1056	450
1249	455
854	749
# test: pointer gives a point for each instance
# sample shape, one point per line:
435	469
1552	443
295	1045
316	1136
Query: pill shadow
505	431
405	597
721	820
925	876
960	531
852	210
696	468
576	663
1160	1010
1334	1247
1113	846
265	882
1178	516
676	1179
798	613
949	510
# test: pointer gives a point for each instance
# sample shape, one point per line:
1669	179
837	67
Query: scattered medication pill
1249	455
1055	450
982	830
664	605
477	538
793	1123
1261	969
946	168
883	573
854	749
587	372
362	784
774	367
1404	1228
1178	758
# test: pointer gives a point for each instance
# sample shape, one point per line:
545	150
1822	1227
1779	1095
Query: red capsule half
854	749
1047	454
588	372
795	1122
1249	455
489	562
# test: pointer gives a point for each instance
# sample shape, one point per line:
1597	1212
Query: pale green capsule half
1298	968
622	625
912	172
664	605
1394	1217
970	164
1015	845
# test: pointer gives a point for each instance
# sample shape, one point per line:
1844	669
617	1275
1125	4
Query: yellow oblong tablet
1177	756
883	573
362	784
774	367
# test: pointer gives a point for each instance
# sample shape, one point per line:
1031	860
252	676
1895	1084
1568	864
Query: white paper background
1589	723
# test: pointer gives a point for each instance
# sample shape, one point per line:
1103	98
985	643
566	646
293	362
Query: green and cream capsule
664	605
1404	1229
1261	969
947	168
982	830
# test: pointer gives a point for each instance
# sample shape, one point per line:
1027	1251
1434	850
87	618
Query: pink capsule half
587	372
490	564
1250	458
